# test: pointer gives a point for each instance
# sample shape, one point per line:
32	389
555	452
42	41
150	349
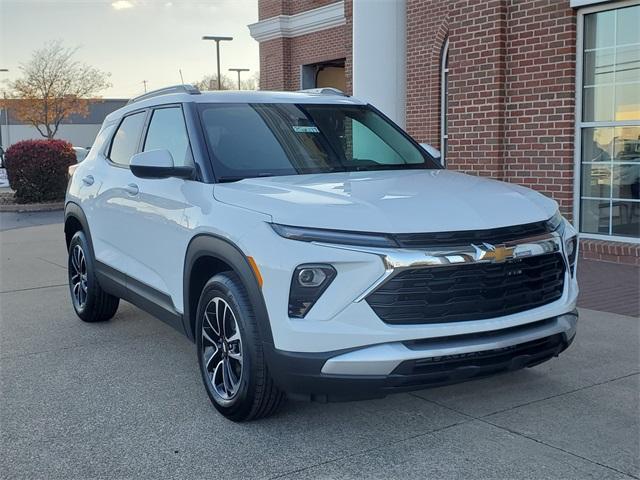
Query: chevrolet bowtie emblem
495	253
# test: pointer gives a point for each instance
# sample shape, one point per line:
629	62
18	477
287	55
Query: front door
157	230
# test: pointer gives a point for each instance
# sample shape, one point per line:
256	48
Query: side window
167	131
125	141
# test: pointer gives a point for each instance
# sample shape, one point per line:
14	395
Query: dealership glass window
609	127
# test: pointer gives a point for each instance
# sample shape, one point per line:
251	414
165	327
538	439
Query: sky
133	40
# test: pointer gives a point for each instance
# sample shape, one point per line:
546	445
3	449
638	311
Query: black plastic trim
221	249
143	296
300	374
73	210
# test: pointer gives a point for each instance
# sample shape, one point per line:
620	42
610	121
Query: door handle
132	189
88	180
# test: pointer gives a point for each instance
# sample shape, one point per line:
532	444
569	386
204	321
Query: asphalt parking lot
124	400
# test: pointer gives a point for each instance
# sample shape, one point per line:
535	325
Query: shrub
37	169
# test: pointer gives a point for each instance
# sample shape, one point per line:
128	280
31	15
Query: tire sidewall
226	288
80	239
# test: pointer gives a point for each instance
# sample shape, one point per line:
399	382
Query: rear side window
167	131
125	141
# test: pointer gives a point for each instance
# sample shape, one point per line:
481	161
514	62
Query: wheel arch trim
73	210
221	249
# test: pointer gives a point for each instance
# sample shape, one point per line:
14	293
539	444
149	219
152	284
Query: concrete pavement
124	400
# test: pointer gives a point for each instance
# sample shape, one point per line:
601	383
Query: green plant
37	169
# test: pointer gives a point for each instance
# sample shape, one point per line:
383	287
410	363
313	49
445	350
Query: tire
233	368
91	303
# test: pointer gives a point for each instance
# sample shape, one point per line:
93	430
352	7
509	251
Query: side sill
155	303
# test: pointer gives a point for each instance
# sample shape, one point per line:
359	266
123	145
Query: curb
32	207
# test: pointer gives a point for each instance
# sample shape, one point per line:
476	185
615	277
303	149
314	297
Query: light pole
6	109
239	70
217	40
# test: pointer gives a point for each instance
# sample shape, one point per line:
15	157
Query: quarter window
167	131
609	127
125	141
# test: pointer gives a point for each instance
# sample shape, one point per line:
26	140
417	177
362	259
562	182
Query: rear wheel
91	303
230	352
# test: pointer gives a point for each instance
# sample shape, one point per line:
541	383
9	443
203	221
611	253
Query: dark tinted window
251	140
167	131
125	141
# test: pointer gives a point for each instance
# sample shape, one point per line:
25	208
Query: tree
210	82
53	87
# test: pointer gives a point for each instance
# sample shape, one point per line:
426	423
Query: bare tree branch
54	86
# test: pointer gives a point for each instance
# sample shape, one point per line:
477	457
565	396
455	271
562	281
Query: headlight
571	250
554	222
341	237
307	285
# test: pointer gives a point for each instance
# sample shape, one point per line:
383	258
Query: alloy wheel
222	348
78	269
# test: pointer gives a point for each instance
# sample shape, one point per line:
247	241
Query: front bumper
378	370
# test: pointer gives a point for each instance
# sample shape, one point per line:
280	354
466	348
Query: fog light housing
307	285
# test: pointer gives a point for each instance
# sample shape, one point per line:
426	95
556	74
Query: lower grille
469	292
452	368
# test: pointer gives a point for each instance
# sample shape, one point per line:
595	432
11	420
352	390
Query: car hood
392	201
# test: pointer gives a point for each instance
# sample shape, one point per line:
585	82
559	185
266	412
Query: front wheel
230	352
91	303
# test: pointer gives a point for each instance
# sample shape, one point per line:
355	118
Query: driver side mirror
158	164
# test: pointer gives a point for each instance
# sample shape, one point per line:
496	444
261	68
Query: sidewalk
609	287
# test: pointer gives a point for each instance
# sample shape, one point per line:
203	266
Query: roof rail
183	88
324	91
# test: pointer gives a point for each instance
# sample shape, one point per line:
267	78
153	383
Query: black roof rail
183	88
324	91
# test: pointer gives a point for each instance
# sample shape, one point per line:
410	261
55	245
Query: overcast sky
134	40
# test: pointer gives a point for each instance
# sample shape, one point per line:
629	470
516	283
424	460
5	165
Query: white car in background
310	248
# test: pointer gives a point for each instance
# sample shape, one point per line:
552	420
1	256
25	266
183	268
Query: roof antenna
181	79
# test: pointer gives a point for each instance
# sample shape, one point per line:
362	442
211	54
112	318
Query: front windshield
256	140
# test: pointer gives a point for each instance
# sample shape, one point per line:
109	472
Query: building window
608	122
444	102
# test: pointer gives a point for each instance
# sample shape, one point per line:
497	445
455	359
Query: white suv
311	249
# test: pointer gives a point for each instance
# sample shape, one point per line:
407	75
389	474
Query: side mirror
434	152
157	164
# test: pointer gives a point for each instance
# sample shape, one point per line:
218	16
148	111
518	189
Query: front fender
208	245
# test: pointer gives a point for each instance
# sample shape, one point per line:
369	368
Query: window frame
149	119
579	125
145	111
444	93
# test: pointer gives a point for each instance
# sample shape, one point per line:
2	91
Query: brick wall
511	87
540	89
427	29
615	252
272	8
281	58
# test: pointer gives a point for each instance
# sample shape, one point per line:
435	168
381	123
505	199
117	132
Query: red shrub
37	169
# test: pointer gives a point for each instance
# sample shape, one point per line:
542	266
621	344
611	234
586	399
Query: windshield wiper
237	178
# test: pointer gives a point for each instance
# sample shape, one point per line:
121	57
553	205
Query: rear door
114	208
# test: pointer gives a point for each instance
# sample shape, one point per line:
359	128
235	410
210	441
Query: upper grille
466	237
469	291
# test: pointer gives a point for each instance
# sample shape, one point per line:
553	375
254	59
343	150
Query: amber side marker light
256	270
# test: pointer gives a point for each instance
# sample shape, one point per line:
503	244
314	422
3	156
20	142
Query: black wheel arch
74	220
208	254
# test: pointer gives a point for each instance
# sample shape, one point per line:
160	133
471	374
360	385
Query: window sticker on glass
305	129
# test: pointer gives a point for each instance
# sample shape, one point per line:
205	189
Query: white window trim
579	125
288	26
443	114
